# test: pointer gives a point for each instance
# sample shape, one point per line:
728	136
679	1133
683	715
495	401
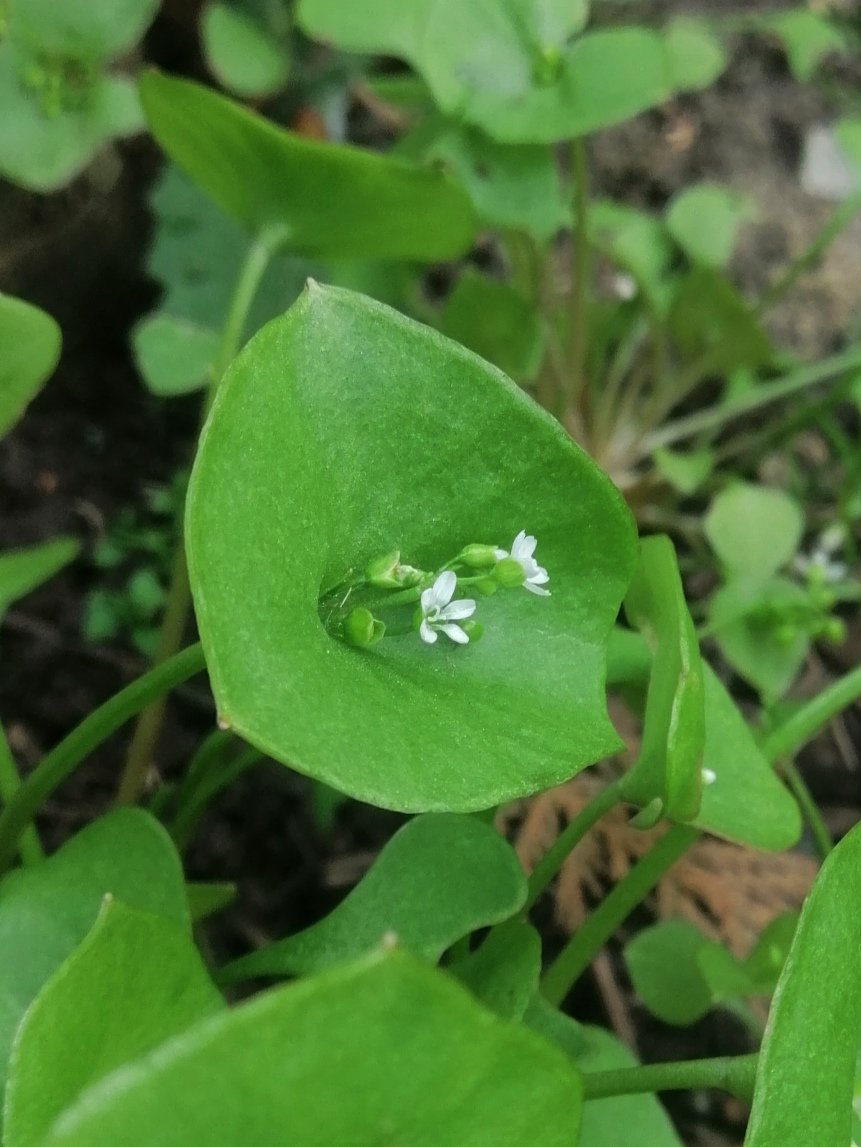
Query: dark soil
95	439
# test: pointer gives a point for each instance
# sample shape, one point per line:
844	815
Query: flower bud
472	629
478	557
487	587
361	628
387	572
834	630
508	573
786	633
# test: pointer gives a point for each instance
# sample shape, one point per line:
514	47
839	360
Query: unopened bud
487	587
472	629
361	628
834	630
478	557
388	573
508	573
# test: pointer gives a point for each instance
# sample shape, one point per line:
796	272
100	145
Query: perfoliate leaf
352	432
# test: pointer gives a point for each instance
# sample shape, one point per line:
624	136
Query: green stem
807	804
178	602
568	840
92	731
733	1073
807	721
585	944
580	278
10	783
715	416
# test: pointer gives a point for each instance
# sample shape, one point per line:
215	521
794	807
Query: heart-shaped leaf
343	432
387	1050
503	972
135	981
46	910
439	878
806	1071
704	220
323	198
754	530
29	350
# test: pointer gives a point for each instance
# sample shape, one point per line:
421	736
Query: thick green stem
568	840
585	944
10	783
733	1073
815	715
93	730
580	280
178	603
809	809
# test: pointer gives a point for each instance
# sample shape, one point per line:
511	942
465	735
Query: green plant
407	579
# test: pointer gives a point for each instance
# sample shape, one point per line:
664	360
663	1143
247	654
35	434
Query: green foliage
494	320
24	570
29	351
503	972
807	38
338	397
319	198
438	879
754	530
389	1037
46	911
667	772
704	220
59	107
806	1073
132	984
243	54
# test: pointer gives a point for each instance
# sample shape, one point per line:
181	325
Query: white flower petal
500	554
444	587
536	589
427	634
539	577
523	547
455	633
458	610
428	600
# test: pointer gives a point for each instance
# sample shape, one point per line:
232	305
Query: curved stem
568	840
178	603
10	783
62	761
808	806
813	716
585	944
578	393
732	1073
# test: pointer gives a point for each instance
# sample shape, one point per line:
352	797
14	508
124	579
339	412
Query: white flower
819	565
709	776
440	612
522	549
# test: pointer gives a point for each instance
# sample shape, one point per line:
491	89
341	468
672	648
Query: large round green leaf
344	431
388	1051
327	198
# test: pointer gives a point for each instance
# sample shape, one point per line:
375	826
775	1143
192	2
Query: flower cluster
349	609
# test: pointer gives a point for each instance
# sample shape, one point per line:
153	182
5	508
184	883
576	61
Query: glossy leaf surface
133	983
806	1072
29	351
324	198
46	911
412	1059
341	432
439	878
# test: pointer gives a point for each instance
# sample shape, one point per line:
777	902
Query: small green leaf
746	802
439	878
207	899
686	471
668	768
241	53
635	241
23	570
46	911
133	983
327	198
85	30
754	530
806	1073
30	343
377	27
503	973
662	964
704	220
730	979
492	319
173	355
409	1056
594	1049
354	431
807	38
713	327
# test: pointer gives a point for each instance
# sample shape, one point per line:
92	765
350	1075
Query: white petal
536	589
444	587
709	776
500	554
539	577
427	634
524	546
428	601
517	544
458	610
455	633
